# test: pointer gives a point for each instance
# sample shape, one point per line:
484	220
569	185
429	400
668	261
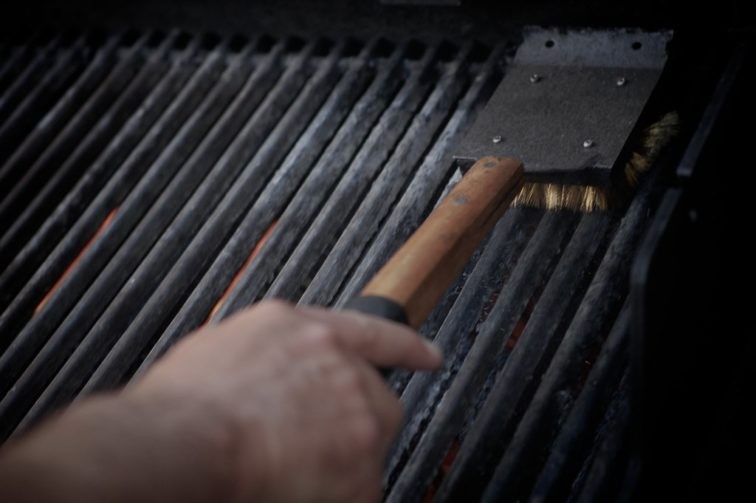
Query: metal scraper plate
568	102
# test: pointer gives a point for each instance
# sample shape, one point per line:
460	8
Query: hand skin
275	404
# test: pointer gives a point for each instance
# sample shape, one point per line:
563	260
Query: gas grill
160	170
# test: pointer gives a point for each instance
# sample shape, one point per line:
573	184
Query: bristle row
587	198
656	137
584	198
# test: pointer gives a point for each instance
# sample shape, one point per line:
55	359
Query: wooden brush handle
408	287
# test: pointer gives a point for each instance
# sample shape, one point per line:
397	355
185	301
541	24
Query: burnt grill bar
35	143
503	408
27	79
327	286
12	65
267	208
152	183
313	99
56	78
301	151
143	277
601	477
490	347
474	302
573	440
54	332
403	159
361	164
132	151
91	119
514	384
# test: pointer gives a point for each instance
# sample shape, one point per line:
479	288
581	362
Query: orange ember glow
443	471
104	225
243	268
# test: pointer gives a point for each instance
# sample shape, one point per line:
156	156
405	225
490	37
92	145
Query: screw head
497	139
535	78
621	81
588	143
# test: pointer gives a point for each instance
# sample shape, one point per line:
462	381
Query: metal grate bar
15	93
306	200
61	339
71	153
599	479
198	256
324	288
173	240
586	333
44	132
518	377
399	167
324	93
264	212
132	153
13	65
157	183
330	220
580	341
363	169
423	392
533	267
572	443
56	79
263	270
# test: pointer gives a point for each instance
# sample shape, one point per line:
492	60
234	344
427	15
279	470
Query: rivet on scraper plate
497	139
621	81
588	143
535	78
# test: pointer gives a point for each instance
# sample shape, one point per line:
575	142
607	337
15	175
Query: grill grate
154	182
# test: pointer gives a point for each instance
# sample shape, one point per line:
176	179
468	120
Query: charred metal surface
152	183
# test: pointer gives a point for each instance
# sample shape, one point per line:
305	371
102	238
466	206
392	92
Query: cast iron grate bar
570	446
43	94
77	218
80	141
153	183
55	331
216	231
29	76
308	100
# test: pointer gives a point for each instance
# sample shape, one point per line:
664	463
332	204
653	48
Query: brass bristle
584	198
655	138
587	198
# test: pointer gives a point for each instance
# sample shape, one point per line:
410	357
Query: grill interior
153	182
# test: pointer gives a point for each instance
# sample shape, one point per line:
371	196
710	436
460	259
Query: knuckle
319	335
365	432
349	383
274	307
369	337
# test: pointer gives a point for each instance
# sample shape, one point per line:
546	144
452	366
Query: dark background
482	19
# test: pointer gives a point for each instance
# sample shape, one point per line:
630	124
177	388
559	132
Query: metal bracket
568	102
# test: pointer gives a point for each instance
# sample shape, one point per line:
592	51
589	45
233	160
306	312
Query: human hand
312	419
275	404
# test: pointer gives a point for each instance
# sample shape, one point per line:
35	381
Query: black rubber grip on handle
380	307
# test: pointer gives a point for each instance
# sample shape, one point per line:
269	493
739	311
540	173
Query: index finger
381	342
